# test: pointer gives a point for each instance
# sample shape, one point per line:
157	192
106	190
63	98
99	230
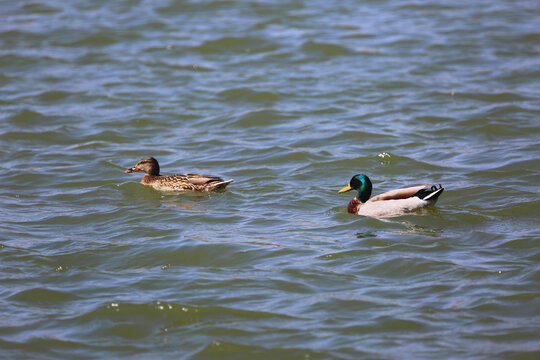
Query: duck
179	182
390	203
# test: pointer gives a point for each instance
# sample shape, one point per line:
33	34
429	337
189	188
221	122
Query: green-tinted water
290	99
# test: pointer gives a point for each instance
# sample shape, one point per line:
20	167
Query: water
290	99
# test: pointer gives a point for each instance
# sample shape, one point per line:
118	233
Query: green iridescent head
361	183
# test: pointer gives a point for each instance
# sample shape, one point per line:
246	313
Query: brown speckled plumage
180	182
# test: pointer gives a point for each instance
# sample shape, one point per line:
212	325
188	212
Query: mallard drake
180	182
393	202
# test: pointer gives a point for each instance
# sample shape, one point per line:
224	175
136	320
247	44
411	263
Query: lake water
290	99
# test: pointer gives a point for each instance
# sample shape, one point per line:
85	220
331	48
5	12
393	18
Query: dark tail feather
430	193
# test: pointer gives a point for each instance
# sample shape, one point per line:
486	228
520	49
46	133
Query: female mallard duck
181	182
392	202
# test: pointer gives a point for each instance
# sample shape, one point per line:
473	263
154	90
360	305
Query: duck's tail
221	184
430	193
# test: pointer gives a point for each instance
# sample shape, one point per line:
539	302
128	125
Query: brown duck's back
185	182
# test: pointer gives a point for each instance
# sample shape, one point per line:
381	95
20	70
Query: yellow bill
346	188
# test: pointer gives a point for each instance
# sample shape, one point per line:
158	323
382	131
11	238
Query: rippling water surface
289	98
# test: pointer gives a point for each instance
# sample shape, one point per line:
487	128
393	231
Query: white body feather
391	207
396	206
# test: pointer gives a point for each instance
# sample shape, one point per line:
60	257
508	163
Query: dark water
289	98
